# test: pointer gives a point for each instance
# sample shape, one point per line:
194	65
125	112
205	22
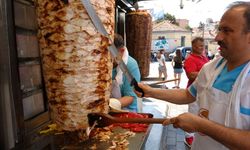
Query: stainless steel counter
154	139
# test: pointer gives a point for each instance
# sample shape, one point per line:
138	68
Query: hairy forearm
231	138
177	96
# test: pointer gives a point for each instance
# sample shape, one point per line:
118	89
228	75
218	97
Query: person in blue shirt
121	88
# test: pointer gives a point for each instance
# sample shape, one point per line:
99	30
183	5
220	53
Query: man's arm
231	138
176	96
126	100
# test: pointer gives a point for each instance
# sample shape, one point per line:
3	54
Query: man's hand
146	89
230	137
185	121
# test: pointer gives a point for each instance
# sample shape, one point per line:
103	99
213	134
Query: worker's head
198	45
245	8
233	35
119	44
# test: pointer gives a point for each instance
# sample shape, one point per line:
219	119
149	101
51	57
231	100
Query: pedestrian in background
178	69
192	66
195	60
162	65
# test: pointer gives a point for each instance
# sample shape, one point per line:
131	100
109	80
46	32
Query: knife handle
137	88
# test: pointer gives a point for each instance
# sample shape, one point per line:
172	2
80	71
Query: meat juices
76	62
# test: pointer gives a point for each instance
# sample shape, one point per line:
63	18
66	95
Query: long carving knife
100	28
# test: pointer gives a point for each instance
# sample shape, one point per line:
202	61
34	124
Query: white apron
115	89
115	92
223	107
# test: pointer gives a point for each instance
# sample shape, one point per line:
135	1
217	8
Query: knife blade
100	28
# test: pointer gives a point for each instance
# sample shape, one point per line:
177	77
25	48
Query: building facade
171	35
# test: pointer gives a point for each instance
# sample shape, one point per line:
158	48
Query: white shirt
161	60
224	108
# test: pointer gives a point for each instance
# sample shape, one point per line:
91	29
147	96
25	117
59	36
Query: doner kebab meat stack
76	62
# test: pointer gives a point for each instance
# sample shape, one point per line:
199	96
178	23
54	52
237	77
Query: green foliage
169	17
188	28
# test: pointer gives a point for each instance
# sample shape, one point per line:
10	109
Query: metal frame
9	82
15	132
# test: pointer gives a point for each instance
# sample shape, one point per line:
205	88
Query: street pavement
173	110
153	72
165	137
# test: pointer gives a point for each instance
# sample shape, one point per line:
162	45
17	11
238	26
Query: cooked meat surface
76	62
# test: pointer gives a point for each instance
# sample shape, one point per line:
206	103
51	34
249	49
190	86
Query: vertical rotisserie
139	37
76	62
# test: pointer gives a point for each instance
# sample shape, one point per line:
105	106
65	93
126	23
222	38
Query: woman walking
178	69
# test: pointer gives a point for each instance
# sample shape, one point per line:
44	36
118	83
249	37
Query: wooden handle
164	81
139	120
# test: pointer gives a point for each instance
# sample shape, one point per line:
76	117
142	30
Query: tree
169	17
202	28
188	28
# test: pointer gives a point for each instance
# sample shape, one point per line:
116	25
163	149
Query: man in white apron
121	88
222	89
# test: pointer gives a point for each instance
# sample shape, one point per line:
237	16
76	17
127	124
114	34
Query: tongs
102	120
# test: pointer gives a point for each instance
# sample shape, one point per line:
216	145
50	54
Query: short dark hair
161	50
118	41
197	39
246	13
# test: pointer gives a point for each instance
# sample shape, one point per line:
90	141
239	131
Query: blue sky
193	11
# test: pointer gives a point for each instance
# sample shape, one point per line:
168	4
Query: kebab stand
56	69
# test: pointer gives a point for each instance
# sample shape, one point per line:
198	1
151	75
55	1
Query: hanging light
181	4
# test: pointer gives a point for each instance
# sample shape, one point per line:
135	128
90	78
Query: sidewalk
153	72
172	109
165	137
